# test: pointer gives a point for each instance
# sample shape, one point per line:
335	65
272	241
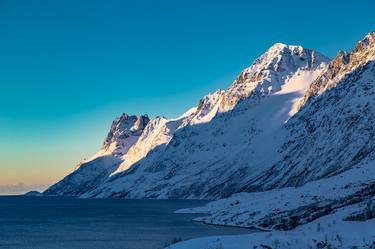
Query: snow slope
158	132
265	210
331	231
336	212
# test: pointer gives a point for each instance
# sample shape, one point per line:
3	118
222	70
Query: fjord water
61	222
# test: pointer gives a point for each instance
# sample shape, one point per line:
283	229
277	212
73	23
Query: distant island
33	193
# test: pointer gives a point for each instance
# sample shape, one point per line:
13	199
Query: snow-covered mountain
288	146
322	193
206	152
284	121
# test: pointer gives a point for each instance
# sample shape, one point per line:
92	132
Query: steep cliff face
124	132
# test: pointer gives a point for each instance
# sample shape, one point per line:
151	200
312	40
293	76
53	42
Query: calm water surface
55	222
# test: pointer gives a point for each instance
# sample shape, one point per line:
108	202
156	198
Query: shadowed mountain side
86	177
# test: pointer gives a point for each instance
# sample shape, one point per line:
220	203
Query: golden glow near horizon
44	160
35	169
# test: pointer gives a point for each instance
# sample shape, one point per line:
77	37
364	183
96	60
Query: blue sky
68	68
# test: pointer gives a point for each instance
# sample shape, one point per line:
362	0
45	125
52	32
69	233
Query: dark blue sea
70	223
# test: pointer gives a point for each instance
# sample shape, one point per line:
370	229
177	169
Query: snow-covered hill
336	212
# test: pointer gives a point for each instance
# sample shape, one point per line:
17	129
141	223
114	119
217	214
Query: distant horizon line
22	188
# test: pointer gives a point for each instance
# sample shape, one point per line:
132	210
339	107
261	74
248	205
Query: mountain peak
271	70
368	42
288	56
278	46
123	128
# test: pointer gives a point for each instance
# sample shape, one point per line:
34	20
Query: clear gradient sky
68	68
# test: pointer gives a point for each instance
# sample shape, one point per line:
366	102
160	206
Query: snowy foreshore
335	212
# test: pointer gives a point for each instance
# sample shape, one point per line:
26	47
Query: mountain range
292	117
288	146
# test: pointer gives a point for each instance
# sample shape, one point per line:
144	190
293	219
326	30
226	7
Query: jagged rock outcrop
124	131
343	63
